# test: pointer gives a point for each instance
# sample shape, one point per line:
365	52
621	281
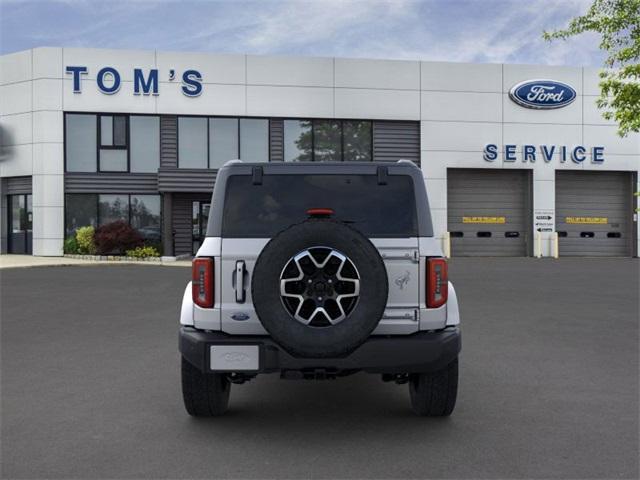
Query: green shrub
70	245
86	244
143	252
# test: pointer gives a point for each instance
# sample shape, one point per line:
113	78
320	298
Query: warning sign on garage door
499	220
544	220
587	220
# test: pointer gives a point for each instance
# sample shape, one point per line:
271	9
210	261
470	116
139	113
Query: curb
68	261
116	258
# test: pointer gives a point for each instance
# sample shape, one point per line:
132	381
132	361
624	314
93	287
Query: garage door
488	212
593	213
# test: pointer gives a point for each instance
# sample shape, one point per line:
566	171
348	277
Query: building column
434	172
48	182
167	224
48	215
544	205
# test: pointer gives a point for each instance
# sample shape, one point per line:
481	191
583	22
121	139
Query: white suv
319	270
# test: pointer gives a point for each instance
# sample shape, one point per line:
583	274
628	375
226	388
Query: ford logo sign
542	94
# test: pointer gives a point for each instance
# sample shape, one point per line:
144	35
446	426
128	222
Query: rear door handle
411	255
240	291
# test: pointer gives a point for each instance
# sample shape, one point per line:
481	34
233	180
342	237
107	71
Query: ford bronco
319	270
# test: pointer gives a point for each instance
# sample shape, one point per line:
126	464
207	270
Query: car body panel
405	260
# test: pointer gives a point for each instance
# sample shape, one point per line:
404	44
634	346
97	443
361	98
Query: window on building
211	142
199	219
113	143
118	140
192	142
106	131
223	141
80	142
144	143
142	212
297	141
113	131
145	217
81	210
113	160
357	141
17	213
254	140
112	208
327	141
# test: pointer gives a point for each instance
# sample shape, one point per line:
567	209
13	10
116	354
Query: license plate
234	358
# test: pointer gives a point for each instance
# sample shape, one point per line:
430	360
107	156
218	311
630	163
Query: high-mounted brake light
437	282
202	282
320	212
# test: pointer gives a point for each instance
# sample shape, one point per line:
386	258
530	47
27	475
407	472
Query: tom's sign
542	94
108	80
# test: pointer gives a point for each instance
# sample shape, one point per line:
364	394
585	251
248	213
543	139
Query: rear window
283	200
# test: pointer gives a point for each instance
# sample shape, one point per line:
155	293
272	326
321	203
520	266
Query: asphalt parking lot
549	385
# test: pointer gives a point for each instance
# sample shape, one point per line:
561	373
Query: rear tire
434	394
204	394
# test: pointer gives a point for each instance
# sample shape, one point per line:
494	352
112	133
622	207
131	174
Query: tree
618	23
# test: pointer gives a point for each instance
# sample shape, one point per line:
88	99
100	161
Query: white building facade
91	136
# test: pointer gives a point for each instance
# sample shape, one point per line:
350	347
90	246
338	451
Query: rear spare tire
319	288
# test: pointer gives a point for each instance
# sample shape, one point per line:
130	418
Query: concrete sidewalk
26	261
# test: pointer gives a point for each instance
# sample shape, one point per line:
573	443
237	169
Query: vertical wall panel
182	228
18	185
182	224
276	139
393	141
168	141
112	182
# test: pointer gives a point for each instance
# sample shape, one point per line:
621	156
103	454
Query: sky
486	31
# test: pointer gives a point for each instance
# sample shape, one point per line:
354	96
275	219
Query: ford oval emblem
542	94
240	316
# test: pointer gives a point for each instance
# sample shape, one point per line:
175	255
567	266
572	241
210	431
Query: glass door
199	219
20	224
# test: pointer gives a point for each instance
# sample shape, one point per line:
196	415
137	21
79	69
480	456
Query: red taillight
437	282
320	212
202	282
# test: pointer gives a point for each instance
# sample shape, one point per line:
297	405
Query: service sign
511	152
542	94
544	220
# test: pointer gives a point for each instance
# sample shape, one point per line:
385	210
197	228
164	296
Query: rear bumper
420	352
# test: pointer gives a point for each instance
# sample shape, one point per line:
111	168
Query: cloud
456	30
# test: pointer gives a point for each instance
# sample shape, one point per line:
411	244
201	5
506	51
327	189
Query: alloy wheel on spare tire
319	288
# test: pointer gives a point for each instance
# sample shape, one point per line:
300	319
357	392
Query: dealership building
517	159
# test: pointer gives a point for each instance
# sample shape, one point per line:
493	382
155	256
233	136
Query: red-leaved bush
116	238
